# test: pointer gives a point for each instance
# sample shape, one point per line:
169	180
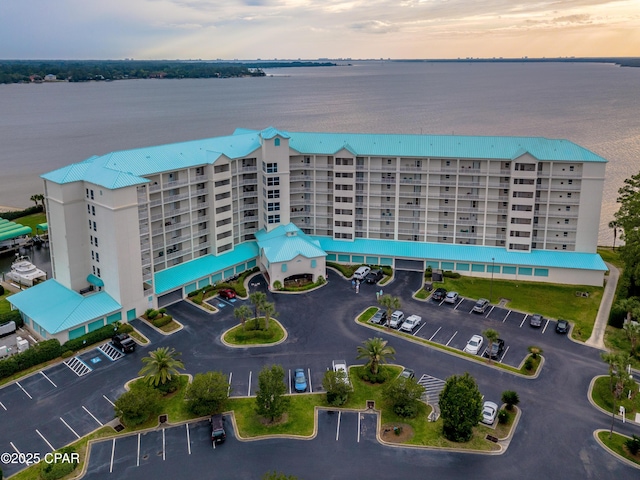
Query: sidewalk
597	335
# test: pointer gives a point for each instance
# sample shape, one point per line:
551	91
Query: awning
93	280
43	227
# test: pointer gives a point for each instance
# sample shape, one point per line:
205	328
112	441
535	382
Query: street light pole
493	260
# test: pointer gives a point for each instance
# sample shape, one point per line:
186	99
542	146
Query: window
87	191
446	201
270	167
89	209
568	208
96	241
571	168
273	219
564	247
276	142
448	164
93	209
98	271
273	194
568	195
565	234
273	206
94	227
570	182
93	255
97	257
273	181
566	221
91	194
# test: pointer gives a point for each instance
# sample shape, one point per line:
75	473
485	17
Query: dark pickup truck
124	342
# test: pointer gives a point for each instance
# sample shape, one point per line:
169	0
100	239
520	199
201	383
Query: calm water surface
46	126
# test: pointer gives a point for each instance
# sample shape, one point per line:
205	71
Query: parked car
411	323
407	373
380	317
124	342
396	319
218	435
481	305
489	412
563	326
300	380
374	276
438	294
474	344
496	349
536	320
451	297
227	293
361	273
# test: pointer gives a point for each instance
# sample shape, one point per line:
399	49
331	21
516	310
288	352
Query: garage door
411	265
169	298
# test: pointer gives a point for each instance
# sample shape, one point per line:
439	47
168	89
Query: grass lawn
549	299
33	472
617	341
5	307
32	221
616	443
601	394
238	336
610	256
299	419
170	327
139	337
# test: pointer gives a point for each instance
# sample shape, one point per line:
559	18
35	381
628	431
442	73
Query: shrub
40	353
152	314
510	398
57	470
96	336
21	213
67	354
169	386
633	444
450	274
277	284
13	315
503	416
162	321
528	364
1	290
617	315
138	404
148	311
381	377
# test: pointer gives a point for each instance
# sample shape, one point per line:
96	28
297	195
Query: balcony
174	184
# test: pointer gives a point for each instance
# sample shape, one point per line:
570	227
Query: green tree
618	379
40	198
258	299
535	351
34	199
278	476
510	398
242	313
633	334
138	404
404	395
628	220
376	351
492	336
207	394
160	366
337	387
390	303
613	224
460	407
270	399
269	310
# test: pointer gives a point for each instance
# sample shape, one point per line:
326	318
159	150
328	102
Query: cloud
373	26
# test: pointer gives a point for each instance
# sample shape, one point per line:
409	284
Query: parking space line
230	377
43	374
2	405
249	391
338	428
138	457
505	317
487	315
289	381
188	439
416	332
504	354
25	392
451	338
525	317
113	451
112	404
545	326
67	425
441	302
310	387
359	417
459	303
471	311
92	416
163	446
15	448
45	440
431	338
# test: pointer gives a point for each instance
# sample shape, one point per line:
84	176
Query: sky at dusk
309	29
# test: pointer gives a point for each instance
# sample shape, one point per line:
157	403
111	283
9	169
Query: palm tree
377	351
34	199
618	379
258	299
242	313
633	334
614	225
40	198
492	336
269	310
390	303
535	351
160	366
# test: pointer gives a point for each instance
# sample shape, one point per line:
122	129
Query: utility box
23	345
3	351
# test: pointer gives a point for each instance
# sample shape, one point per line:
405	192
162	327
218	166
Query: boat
24	272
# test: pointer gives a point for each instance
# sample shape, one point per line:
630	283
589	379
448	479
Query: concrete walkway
597	335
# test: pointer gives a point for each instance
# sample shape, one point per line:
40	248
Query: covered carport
410	265
169	298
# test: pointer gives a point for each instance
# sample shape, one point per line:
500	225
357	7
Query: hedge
21	213
58	470
13	315
162	321
94	337
37	354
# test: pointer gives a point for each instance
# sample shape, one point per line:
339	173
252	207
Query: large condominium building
141	228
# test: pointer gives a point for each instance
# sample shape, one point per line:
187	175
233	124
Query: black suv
123	342
536	320
439	294
380	317
495	350
374	276
218	435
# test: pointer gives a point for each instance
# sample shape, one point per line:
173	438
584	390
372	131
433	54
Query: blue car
300	380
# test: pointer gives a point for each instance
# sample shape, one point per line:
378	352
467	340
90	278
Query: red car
227	293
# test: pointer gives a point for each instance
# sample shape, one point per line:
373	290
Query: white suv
341	366
411	323
396	319
361	273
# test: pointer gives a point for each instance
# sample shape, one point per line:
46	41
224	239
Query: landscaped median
530	366
617	445
253	334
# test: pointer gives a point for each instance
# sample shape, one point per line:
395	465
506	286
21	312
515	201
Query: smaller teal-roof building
53	311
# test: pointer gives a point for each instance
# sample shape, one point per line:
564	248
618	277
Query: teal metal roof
18	231
129	167
189	272
465	253
286	242
56	308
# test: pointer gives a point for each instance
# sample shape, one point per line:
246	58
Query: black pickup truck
124	342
